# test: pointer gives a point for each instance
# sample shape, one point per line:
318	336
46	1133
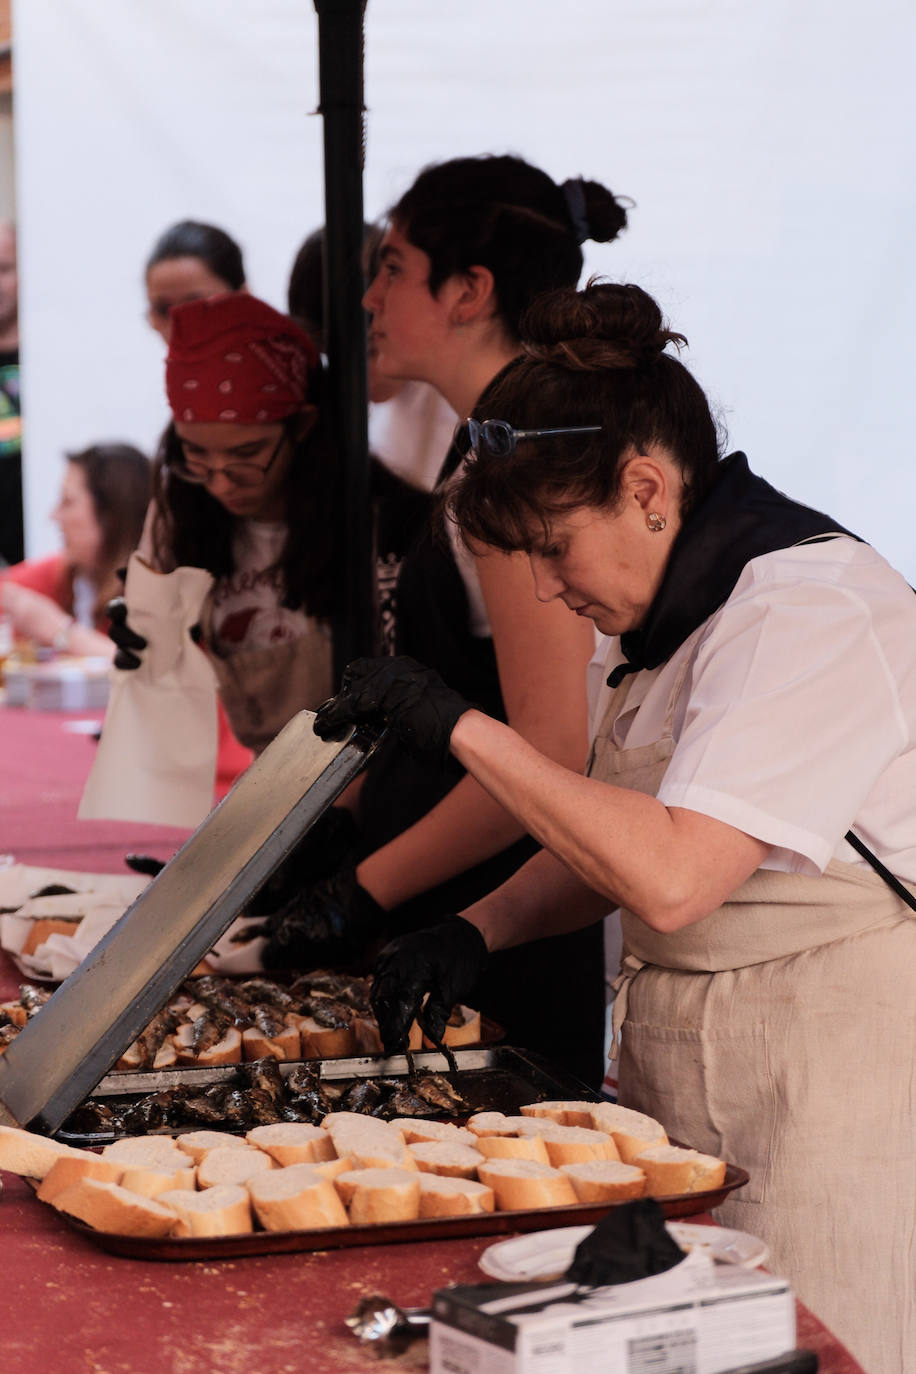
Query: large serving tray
496	1078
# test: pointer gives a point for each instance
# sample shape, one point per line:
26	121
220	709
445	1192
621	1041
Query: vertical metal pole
340	74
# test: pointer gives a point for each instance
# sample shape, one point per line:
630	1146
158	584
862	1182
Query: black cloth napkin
740	518
631	1242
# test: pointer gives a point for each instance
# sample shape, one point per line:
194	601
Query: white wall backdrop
768	149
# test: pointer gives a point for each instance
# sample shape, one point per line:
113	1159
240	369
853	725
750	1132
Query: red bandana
235	358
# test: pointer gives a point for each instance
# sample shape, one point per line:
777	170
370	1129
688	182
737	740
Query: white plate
548	1254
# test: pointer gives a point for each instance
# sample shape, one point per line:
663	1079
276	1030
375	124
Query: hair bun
605	325
595	212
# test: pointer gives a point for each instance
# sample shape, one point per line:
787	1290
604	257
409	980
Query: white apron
779	1033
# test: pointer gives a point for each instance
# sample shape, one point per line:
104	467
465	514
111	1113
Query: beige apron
262	689
780	1034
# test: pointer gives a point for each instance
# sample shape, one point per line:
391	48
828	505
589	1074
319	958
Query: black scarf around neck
740	518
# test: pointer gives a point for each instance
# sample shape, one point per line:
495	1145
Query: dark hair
305	292
192	529
591	357
504	214
191	239
119	481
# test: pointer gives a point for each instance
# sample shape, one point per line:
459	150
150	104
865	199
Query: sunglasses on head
499	438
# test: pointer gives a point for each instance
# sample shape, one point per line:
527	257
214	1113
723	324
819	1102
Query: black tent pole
340	76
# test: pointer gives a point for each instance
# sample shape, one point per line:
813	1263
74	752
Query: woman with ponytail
467	248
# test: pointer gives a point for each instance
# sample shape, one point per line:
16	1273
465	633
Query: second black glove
330	923
446	961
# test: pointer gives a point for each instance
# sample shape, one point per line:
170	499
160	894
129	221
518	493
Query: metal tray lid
60	1055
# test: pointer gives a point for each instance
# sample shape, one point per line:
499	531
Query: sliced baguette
371	1143
462	1028
24	1152
453	1197
563	1113
285	1044
296	1199
68	1170
633	1132
232	1166
671	1169
520	1184
372	1196
293	1142
324	1042
109	1207
605	1181
197	1144
446	1158
221	1211
416	1129
149	1180
570	1144
513	1147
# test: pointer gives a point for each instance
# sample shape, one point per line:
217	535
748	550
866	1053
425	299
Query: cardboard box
700	1318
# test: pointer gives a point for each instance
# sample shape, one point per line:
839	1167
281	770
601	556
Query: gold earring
656	522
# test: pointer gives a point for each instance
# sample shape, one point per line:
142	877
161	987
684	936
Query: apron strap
893	883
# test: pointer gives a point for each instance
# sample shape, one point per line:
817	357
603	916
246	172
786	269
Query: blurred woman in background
189	262
59	601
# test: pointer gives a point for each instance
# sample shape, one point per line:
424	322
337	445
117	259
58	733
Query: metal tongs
385	1329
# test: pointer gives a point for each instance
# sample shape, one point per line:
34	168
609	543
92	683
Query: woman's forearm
669	866
462	830
542	898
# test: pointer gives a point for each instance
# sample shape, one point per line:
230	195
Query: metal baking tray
60	1055
495	1078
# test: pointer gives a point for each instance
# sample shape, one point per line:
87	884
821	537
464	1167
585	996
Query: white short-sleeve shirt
797	720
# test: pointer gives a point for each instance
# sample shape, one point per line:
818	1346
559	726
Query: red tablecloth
66	1306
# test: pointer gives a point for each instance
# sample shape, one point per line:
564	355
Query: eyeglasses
499	438
239	474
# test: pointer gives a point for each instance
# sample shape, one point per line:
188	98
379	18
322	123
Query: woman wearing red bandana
242	487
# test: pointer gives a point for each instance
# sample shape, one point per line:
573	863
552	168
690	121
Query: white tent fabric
767	148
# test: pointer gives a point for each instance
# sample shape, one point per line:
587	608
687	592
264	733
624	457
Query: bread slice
446	1158
197	1144
147	1151
563	1113
453	1197
368	1040
221	1211
149	1180
371	1143
285	1044
331	1168
513	1147
520	1184
293	1142
493	1123
296	1199
325	1042
109	1207
570	1144
372	1196
605	1181
68	1170
671	1169
415	1129
228	1050
633	1132
24	1152
232	1166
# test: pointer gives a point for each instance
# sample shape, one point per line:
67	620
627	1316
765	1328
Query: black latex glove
631	1242
329	845
128	641
446	960
330	923
413	699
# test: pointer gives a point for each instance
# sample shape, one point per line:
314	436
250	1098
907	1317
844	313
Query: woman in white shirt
758	725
